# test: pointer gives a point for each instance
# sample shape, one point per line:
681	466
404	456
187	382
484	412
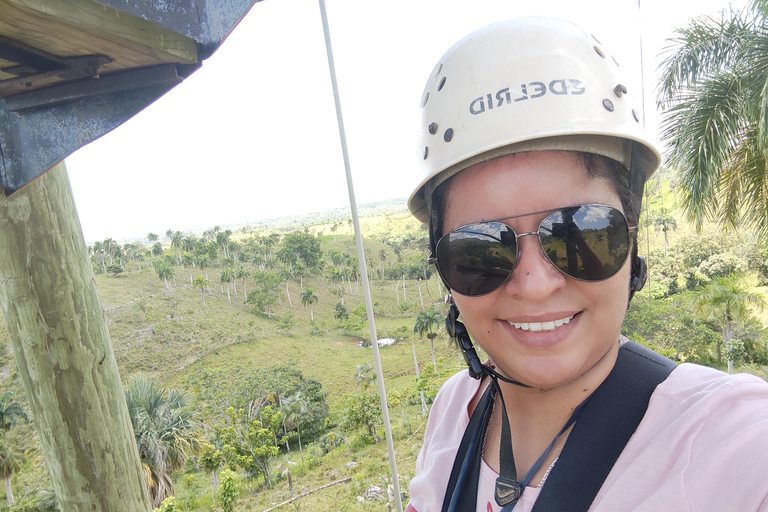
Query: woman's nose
534	276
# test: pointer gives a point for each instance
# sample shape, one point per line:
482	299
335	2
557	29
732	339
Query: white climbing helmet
527	84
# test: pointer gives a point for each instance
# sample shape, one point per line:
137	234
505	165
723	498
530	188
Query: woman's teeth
540	326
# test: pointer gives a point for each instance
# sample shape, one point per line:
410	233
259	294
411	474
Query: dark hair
597	166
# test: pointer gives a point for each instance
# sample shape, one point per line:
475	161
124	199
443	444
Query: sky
252	134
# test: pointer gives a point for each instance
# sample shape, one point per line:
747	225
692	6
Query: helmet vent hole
425	99
636	115
432	128
426	152
441	84
599	52
438	70
608	104
448	135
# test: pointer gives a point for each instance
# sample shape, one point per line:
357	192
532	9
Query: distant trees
300	246
266	295
729	301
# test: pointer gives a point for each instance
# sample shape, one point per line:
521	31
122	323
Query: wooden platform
51	42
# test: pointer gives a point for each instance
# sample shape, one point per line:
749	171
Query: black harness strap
606	424
466	466
604	427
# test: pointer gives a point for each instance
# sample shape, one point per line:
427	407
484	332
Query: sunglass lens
478	258
588	242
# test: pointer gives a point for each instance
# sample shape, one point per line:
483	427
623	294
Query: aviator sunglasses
588	242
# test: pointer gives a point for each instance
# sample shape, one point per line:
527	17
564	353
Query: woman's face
537	292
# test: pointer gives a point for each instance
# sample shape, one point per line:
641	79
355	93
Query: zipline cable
361	259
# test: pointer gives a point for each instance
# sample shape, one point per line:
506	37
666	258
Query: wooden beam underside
76	28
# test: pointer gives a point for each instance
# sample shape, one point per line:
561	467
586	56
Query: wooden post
57	328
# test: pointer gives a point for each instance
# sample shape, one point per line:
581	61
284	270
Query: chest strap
605	425
607	422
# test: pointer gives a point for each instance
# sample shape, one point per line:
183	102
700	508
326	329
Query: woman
535	163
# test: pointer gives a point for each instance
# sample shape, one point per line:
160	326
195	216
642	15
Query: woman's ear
638	277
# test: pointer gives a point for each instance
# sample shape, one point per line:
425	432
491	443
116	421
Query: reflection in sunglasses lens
473	260
588	242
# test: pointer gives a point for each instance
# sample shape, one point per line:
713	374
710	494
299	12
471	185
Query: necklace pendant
507	491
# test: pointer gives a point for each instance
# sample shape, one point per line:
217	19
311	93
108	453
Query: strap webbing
605	425
608	421
466	466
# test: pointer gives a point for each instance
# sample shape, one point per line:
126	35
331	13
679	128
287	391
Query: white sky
253	135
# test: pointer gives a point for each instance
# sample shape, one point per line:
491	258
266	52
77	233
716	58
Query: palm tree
165	432
8	466
157	249
729	301
712	90
308	298
665	222
365	376
177	241
286	275
426	323
227	276
242	273
295	408
204	261
164	272
189	244
152	238
10	412
202	283
383	258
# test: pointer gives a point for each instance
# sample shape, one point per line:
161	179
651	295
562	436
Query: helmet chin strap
458	331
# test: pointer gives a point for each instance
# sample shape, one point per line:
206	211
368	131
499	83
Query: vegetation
236	397
715	100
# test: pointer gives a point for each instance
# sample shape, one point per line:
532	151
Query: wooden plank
162	75
83	27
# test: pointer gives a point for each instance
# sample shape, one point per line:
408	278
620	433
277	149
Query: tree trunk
64	355
301	450
8	491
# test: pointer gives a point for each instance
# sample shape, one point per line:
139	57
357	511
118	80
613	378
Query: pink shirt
701	446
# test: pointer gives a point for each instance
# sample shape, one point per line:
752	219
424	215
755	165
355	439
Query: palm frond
701	130
703	48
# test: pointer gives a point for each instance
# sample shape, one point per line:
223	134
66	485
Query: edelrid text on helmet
505	96
525	85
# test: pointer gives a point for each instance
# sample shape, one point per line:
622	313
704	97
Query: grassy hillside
161	328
